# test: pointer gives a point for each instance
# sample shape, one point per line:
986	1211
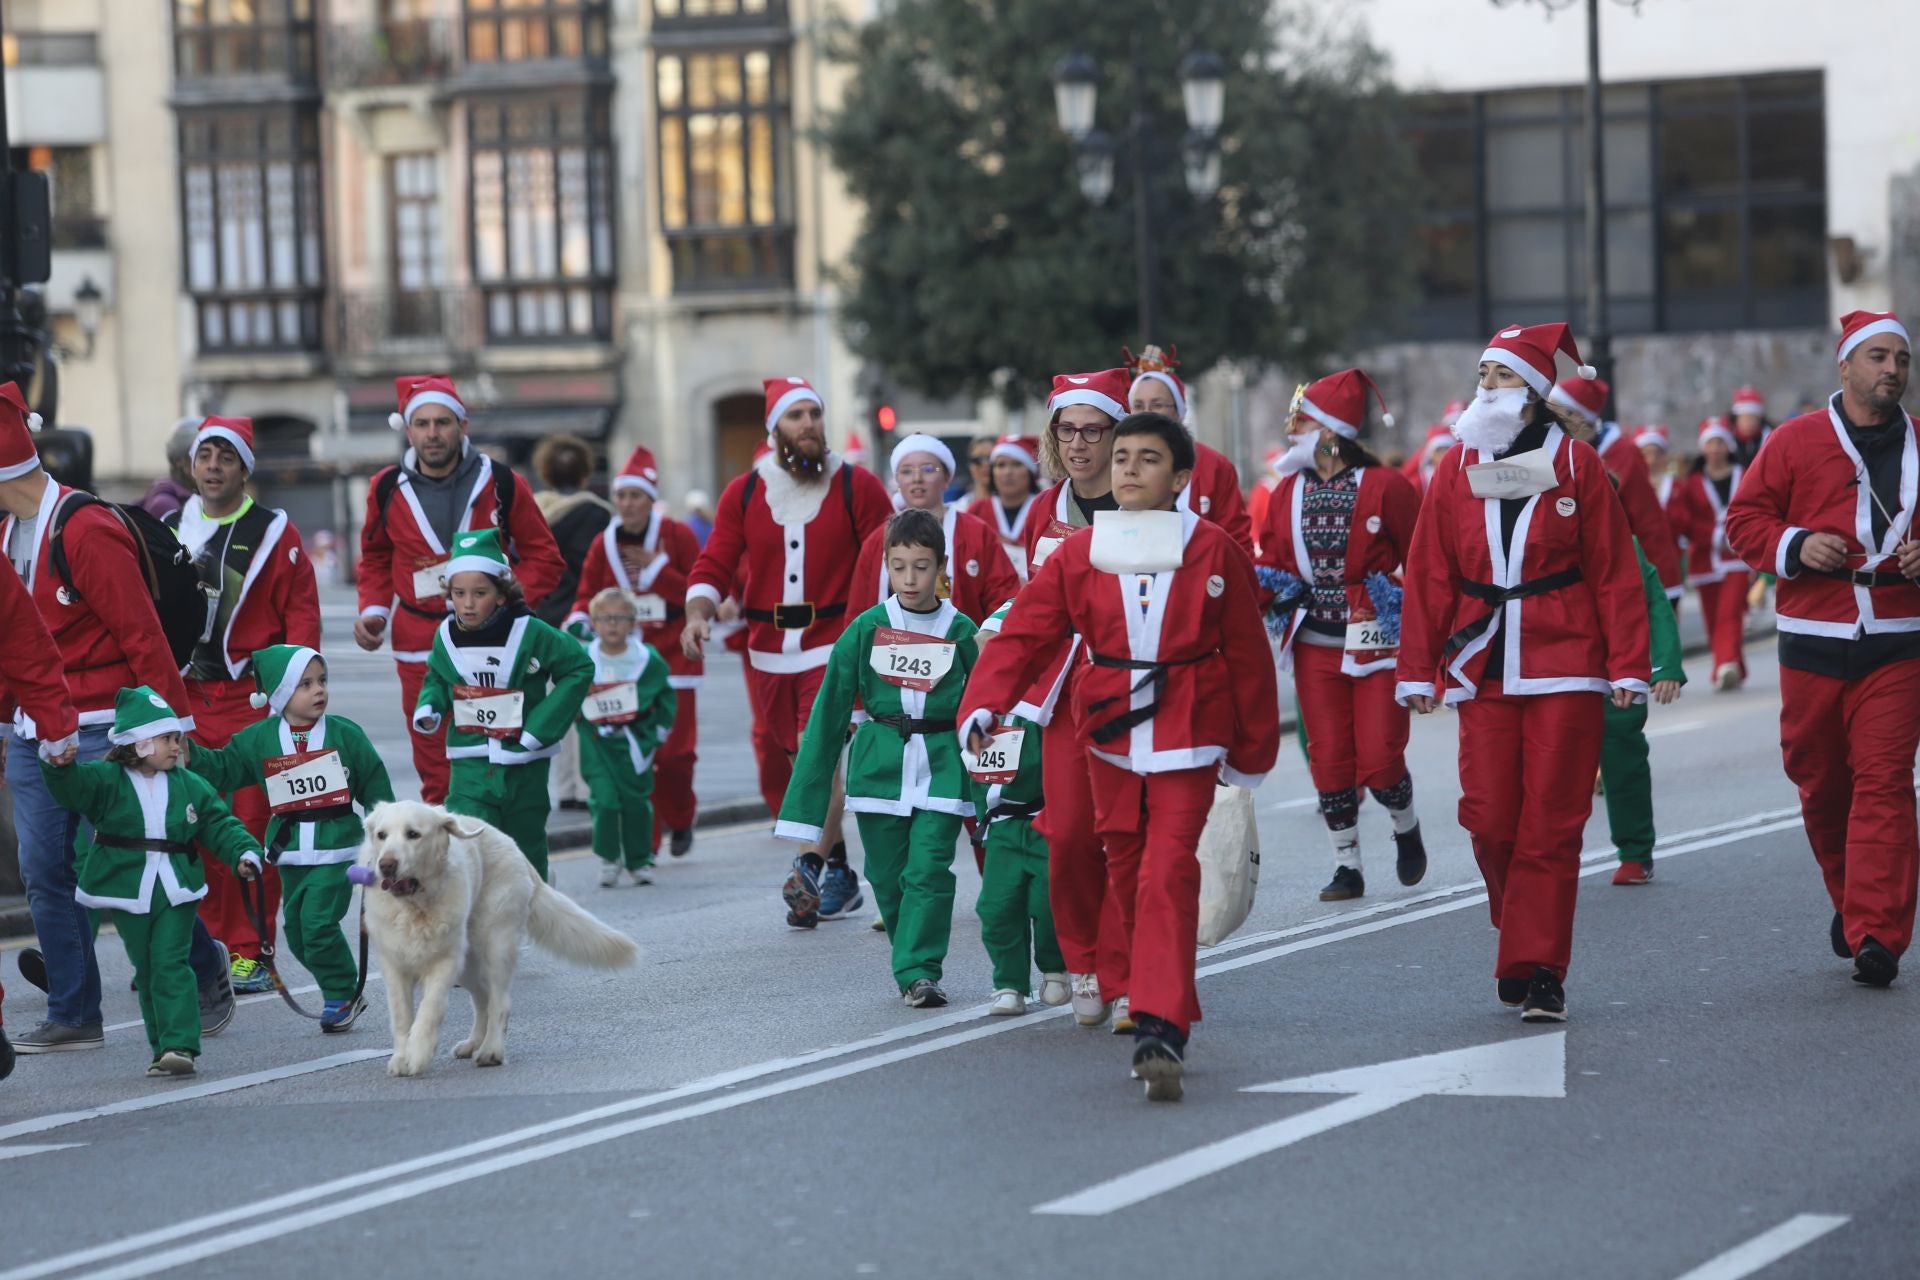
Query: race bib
648	610
306	780
1521	476
1050	541
1369	637
999	761
430	580
909	659
494	712
615	703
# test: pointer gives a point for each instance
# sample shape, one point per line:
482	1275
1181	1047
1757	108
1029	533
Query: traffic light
885	418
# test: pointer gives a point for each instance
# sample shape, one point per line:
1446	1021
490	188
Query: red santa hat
1451	414
415	390
1155	365
920	442
17	425
856	449
1338	402
1529	350
1106	391
1023	449
1749	400
234	432
1653	434
784	393
641	472
1857	326
1717	429
1586	397
1439	440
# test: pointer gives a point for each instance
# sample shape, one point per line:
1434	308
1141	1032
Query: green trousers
910	866
157	943
1628	782
315	900
511	797
1013	909
619	800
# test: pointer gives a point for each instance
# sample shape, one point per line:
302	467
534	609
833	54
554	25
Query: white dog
455	898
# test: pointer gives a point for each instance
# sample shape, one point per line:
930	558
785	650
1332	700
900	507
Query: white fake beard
1493	418
1300	456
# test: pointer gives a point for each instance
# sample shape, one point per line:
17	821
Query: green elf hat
278	670
992	625
139	714
480	551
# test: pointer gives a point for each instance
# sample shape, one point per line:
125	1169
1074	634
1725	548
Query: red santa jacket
1012	533
1214	492
1696	509
1588	633
1187	684
1385	510
1807	481
1642	504
666	579
399	551
279	600
32	672
103	622
800	542
979	578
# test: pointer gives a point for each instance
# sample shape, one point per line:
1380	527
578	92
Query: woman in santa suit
1214	491
1657	449
1336	532
1013	484
1699	505
1524	609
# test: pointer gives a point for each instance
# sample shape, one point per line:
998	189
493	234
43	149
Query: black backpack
166	570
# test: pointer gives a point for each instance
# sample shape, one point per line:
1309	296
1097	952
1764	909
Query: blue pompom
1386	595
1289	593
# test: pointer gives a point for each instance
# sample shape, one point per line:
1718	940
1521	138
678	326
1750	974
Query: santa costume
1010	521
1585	400
1214	491
1747	415
1713	570
978	578
1440	438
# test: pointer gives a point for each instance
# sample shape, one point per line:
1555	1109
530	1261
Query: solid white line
1301	803
14	1153
1769	1247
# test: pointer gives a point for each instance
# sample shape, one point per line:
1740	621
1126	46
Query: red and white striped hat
641	472
1749	400
1338	402
1584	396
784	393
1529	351
1857	326
1023	449
1106	391
1717	429
235	432
415	390
1652	433
17	425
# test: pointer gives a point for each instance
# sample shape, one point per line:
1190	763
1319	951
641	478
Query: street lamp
87	300
1076	88
1203	87
1093	161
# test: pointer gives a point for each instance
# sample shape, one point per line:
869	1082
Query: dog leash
253	896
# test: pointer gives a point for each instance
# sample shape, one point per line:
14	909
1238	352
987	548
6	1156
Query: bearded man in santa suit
1214	491
1583	403
795	522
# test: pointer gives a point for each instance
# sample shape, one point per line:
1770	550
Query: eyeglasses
1066	433
925	471
614	617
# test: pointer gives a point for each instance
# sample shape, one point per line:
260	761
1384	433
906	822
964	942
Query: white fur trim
1874	330
1338	426
231	437
18	469
290	679
921	442
1567	402
479	564
1540	382
1166	380
1084	395
1017	452
151	729
426	398
624	481
792	397
1722	434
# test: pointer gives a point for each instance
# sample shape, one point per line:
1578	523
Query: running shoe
33	967
338	1015
1008	1003
1635	871
217	1002
1727	678
1122	1020
1512	991
1874	965
1089	1010
839	892
802	893
641	875
879	925
1055	990
680	843
1410	856
609	875
1839	935
250	977
1347	883
172	1062
53	1037
1546	999
925	993
1159	1059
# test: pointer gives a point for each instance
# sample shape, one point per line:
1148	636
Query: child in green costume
508	687
1625	775
140	864
907	662
625	718
315	768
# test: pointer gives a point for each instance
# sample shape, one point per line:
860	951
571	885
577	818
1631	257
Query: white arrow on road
1532	1067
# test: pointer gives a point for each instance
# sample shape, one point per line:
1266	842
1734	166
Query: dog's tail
562	926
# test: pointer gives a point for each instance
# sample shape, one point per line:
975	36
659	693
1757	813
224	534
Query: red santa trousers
1849	746
781	704
1723	606
429	749
1089	926
1526	774
220	709
1356	732
674	804
1151	824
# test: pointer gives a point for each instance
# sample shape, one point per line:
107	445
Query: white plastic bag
1229	865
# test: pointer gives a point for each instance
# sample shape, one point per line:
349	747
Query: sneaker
1546	999
802	893
925	993
6	1055
250	977
878	925
54	1037
33	967
1089	1010
1159	1061
216	1000
1874	965
1347	883
1008	1003
1839	935
172	1062
839	892
1122	1020
1055	990
680	843
1410	856
1727	678
1634	871
1512	991
338	1015
641	875
609	875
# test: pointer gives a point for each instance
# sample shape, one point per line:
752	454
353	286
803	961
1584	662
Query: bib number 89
485	716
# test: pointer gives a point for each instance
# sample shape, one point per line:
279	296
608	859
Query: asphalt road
1724	1101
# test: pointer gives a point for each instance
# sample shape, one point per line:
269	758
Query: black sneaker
33	967
1347	883
1410	856
1839	935
1546	999
1874	965
925	993
796	921
1159	1058
1512	991
680	842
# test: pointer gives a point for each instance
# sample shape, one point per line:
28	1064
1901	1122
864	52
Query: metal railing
409	51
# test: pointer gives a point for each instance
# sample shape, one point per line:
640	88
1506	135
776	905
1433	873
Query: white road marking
30	1149
1769	1247
1668	730
1301	803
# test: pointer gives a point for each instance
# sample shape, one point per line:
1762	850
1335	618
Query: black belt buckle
794	617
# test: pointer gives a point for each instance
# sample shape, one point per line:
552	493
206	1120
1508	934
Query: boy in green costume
625	718
1625	775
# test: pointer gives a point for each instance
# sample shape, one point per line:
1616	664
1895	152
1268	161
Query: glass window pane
1526	167
731	171
1789	248
1700	155
489	217
203	273
1627	151
726	79
1764	90
667	80
673	186
1719	95
1629	255
1700	250
576	236
760	160
1447	163
483	42
759	66
602	213
700	80
1527	257
1536	102
703	194
1787	152
242	233
1448	261
283	231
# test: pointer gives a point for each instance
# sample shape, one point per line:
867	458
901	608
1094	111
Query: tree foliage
978	254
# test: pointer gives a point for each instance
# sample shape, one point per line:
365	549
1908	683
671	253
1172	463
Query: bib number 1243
909	659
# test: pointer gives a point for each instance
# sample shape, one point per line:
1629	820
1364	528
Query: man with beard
794	524
1828	506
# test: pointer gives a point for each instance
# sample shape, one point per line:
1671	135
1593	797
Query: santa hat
856	449
479	551
1717	429
1451	414
1439	439
1529	350
1857	326
139	714
920	442
17	425
1338	402
1155	365
1106	391
639	473
1586	397
1023	449
236	432
278	670
1655	435
1749	400
415	390
784	393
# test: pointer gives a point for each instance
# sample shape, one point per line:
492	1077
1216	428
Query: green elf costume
1625	775
508	691
906	785
623	721
314	775
139	863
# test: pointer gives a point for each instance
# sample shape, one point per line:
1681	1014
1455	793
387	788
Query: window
418	243
536	30
542	217
250	208
725	178
76	221
213	38
1715	216
718	13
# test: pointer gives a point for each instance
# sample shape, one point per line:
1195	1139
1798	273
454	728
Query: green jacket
241	763
1661	626
886	773
659	704
181	806
1024	789
551	671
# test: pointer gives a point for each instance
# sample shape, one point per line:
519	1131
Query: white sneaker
1122	1020
1054	990
1008	1003
640	875
1089	1010
609	874
1727	678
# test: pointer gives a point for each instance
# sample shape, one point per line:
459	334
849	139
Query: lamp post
1076	90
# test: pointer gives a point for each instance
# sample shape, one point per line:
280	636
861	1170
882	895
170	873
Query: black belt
1868	577
907	726
1156	677
673	611
144	844
436	615
289	823
795	617
1016	809
1498	596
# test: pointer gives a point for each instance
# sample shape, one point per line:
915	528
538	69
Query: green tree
978	252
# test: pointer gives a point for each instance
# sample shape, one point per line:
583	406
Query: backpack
846	491
166	570
503	490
